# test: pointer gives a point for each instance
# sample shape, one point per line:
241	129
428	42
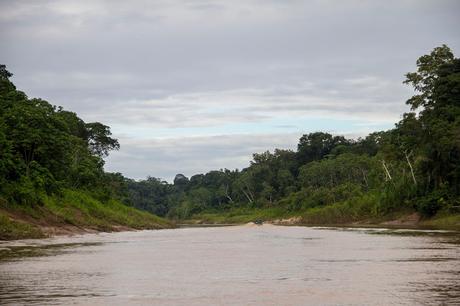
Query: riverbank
73	212
76	212
329	216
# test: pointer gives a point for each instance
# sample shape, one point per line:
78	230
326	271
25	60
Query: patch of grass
358	209
80	209
11	230
444	221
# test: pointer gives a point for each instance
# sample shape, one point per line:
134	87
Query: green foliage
352	210
73	207
424	79
240	215
309	197
316	146
99	140
82	209
444	220
431	203
345	168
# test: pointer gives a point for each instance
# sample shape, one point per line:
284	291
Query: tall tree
423	80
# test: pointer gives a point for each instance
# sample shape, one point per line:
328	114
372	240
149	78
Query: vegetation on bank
81	209
72	211
444	221
239	215
52	160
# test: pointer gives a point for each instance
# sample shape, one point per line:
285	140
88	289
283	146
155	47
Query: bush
352	210
430	204
320	196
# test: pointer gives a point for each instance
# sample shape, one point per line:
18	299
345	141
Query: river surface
239	265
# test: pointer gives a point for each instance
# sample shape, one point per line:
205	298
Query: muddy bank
287	221
408	221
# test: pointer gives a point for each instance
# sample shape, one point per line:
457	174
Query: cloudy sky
189	86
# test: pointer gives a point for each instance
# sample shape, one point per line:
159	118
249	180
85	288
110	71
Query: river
238	265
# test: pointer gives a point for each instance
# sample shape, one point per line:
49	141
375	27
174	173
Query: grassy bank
359	209
239	215
365	211
444	221
10	230
362	211
365	208
72	212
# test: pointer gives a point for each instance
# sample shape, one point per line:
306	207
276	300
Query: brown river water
238	265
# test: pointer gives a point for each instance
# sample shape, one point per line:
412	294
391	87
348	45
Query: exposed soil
411	220
289	221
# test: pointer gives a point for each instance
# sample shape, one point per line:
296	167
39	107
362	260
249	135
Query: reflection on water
31	250
242	265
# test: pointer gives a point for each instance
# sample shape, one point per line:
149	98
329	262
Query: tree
99	140
5	84
423	80
428	140
315	146
76	126
441	126
181	181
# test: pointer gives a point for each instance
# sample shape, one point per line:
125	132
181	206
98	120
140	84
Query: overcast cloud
190	86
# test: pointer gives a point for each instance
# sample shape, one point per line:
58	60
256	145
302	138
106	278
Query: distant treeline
415	165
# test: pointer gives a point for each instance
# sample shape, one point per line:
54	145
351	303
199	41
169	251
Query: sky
191	86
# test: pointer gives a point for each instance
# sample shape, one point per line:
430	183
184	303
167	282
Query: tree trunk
247	196
227	195
365	178
410	166
388	175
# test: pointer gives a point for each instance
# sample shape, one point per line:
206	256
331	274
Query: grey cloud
249	105
166	157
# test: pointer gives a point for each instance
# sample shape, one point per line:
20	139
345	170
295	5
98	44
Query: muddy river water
238	265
